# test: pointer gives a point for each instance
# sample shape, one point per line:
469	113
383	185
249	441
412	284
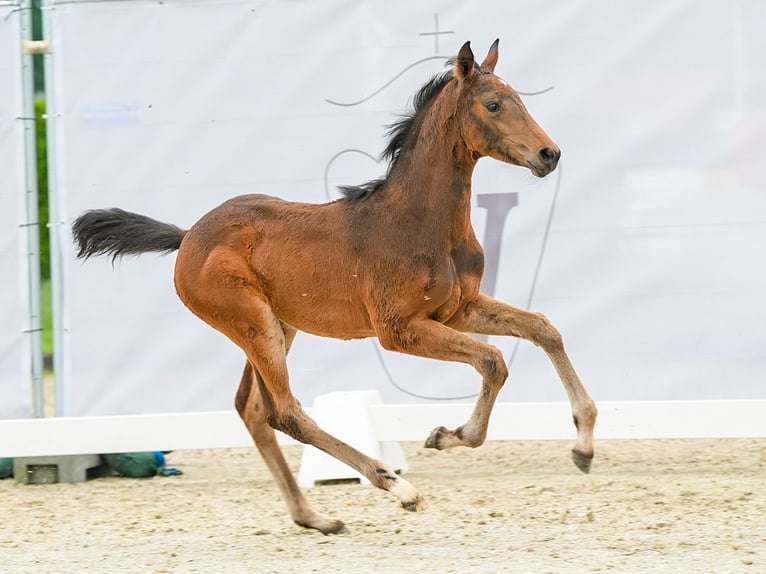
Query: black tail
116	232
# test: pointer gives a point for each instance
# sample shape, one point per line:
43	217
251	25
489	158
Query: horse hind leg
253	326
249	404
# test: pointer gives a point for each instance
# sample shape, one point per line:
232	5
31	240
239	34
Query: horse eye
492	106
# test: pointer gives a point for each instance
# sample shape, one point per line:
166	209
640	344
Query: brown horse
396	259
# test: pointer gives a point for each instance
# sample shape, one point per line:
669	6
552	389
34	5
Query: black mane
398	132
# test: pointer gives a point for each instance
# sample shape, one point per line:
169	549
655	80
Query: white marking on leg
407	494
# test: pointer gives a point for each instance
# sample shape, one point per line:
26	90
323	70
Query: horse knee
545	335
492	366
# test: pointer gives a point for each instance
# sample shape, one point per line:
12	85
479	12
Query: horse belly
316	295
318	313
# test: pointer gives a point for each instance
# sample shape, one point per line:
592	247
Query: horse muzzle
545	162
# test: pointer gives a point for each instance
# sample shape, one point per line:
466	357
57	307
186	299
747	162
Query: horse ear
491	60
464	62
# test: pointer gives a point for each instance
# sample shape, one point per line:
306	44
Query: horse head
495	122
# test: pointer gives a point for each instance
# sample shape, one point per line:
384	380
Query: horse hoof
324	525
336	528
582	460
435	439
419	503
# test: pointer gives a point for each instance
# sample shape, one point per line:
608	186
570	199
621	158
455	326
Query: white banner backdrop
644	248
15	354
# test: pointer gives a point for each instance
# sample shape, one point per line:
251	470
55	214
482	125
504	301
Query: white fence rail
510	421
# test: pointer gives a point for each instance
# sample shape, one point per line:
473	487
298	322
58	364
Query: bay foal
395	258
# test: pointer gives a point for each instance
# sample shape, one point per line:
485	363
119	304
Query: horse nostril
549	156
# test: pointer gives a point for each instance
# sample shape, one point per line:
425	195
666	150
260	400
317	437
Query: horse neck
431	181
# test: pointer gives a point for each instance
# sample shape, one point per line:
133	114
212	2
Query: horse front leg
487	316
424	337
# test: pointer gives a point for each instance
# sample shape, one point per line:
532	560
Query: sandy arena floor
648	506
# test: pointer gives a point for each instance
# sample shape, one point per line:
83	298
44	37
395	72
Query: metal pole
56	217
32	223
